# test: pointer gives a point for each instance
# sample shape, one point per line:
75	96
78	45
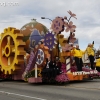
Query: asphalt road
16	90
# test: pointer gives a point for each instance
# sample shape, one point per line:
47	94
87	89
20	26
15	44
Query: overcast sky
87	13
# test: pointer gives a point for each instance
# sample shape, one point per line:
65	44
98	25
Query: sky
19	12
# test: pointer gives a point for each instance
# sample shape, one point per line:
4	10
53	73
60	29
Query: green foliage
31	74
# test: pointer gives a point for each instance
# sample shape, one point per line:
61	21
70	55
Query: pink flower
57	25
62	78
72	14
69	27
65	17
72	38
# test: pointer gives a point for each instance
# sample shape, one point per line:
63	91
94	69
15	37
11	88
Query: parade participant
90	52
77	53
57	66
98	64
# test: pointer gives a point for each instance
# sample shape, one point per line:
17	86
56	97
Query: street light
46	18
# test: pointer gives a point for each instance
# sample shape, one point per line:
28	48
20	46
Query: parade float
36	54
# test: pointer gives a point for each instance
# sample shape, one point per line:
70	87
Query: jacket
77	53
98	62
90	51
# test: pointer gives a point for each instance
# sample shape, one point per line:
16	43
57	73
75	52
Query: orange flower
72	14
69	27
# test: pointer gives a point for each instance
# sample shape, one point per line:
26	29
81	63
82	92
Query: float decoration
71	39
50	40
69	26
39	43
30	61
72	14
12	50
43	53
35	37
62	78
32	33
40	57
57	25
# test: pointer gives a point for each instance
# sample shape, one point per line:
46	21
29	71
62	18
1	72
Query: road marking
22	95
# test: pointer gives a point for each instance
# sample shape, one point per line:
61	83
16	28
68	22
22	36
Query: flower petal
65	24
74	26
65	17
67	29
73	15
72	30
70	23
70	12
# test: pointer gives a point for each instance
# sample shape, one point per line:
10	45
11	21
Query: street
18	90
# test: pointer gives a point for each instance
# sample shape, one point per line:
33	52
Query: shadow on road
53	84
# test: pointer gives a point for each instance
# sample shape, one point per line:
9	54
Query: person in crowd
98	64
91	53
77	53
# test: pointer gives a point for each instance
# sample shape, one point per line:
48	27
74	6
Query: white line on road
21	95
